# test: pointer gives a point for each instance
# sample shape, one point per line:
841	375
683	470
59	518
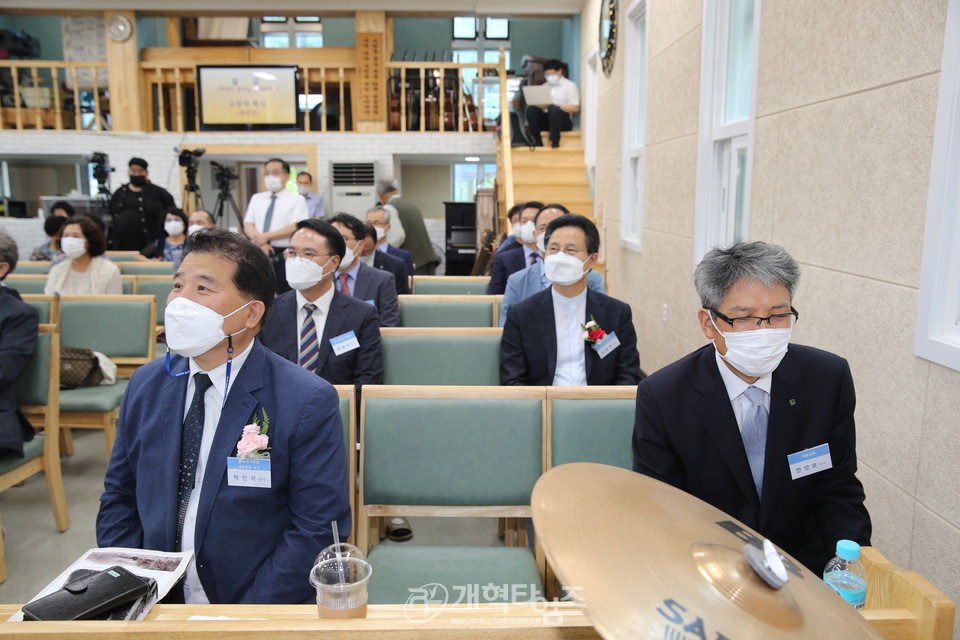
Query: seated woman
170	247
50	249
86	270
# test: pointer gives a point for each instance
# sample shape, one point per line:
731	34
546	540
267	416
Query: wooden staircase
553	175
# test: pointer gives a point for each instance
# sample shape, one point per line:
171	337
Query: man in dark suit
190	425
356	279
382	260
569	335
379	217
18	341
721	422
522	255
340	341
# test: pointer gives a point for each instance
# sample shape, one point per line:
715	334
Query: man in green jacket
417	240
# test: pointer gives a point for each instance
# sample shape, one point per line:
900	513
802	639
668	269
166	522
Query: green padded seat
481	452
123	258
441	360
116	329
126	287
414	313
25	287
147	269
160	289
476	287
43	309
509	573
98	399
593	431
31	450
33	269
345	419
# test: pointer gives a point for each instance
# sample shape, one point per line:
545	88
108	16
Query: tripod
225	198
189	189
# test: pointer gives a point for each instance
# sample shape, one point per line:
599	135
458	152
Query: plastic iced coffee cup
341	585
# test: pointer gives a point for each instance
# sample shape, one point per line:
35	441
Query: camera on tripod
101	167
188	158
223	176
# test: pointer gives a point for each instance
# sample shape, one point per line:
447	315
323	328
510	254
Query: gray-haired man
757	427
417	240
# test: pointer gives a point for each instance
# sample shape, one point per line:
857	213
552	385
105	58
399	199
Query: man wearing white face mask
272	215
333	335
522	255
569	335
313	200
227	449
555	118
356	279
754	425
200	219
381	218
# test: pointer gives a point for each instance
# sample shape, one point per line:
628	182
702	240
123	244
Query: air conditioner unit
353	191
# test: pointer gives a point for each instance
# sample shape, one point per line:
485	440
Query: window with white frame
300	32
725	146
938	312
634	126
468	177
477	39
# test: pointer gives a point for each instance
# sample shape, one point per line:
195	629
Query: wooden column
369	92
123	70
173	33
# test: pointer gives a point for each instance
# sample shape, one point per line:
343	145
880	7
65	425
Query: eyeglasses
747	323
306	253
570	250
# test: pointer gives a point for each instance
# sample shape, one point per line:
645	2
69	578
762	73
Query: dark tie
754	434
190	451
269	218
533	258
344	287
309	349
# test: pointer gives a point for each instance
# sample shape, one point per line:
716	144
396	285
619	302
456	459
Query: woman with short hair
86	270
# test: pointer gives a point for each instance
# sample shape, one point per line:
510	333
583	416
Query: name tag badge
608	344
809	461
344	343
372	302
248	473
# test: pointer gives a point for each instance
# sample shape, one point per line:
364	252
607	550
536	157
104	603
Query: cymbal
651	561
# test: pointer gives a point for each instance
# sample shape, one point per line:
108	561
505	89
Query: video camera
101	167
223	175
188	158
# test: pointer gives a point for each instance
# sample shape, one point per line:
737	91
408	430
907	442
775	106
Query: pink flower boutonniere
592	332
254	442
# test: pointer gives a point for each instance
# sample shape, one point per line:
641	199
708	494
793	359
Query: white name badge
344	343
809	461
248	473
608	344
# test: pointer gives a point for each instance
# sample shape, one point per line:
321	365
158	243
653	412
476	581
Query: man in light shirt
314	201
555	118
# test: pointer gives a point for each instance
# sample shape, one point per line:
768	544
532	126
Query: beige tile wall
846	97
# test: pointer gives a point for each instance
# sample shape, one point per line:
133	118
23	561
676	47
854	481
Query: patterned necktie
190	451
344	287
309	347
533	258
269	218
754	433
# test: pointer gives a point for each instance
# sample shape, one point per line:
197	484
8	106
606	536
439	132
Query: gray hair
386	213
385	186
8	251
720	269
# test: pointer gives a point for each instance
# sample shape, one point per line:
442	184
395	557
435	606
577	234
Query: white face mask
526	232
303	273
562	269
193	329
540	246
192	229
73	247
273	183
173	227
348	258
381	233
552	79
304	189
755	353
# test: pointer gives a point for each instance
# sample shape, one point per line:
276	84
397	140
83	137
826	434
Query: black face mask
138	181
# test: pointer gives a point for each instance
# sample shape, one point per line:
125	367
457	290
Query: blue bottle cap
848	550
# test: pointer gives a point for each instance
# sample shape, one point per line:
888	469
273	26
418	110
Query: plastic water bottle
846	575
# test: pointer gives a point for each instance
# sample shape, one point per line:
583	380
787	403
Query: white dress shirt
351	280
314	205
569	314
736	387
319	315
565	93
193	592
289	208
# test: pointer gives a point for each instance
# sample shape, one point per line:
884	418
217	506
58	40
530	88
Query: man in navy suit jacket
690	414
370	285
251	544
379	217
318	247
543	340
383	261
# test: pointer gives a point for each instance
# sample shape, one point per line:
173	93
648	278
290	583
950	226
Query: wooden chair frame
465	332
136	265
598	392
156	278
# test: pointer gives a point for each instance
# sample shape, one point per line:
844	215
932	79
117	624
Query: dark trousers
554	119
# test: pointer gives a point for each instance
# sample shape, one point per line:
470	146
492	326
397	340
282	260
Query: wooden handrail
505	137
18	117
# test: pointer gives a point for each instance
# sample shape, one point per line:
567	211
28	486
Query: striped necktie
190	451
344	287
309	341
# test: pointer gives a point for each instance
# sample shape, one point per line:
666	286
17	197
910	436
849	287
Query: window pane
739	74
493	55
497	28
276	40
465	55
465	28
641	80
307	18
273	19
739	227
464	182
489	175
309	39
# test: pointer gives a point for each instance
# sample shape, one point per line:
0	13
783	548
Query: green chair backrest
159	289
121	258
345	419
147	269
441	360
414	313
127	287
592	431
33	285
43	309
33	269
33	385
474	287
114	328
464	451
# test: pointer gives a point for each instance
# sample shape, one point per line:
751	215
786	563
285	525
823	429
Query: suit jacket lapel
336	317
719	422
287	311
783	425
361	283
548	330
597	309
172	394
